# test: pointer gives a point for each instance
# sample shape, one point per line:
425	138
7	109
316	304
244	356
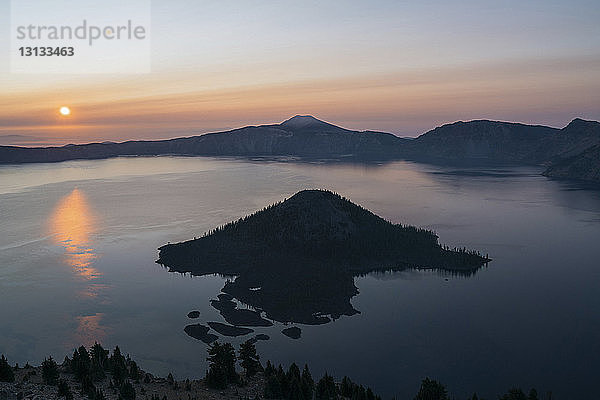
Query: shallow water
78	242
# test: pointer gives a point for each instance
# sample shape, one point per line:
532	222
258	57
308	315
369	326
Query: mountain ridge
304	136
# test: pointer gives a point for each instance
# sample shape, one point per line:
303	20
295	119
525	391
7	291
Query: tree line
96	365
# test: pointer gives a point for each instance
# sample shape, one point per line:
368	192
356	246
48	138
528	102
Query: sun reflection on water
72	225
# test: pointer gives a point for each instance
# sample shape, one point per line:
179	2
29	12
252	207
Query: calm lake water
78	242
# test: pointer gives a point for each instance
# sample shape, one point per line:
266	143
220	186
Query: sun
65	110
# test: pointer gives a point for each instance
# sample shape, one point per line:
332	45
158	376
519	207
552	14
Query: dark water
78	242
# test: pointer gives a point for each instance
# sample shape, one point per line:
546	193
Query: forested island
296	260
318	226
97	374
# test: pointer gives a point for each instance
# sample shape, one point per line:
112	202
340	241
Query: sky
394	66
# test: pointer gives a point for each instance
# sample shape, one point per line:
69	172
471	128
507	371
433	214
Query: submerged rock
244	317
200	332
229	330
294	332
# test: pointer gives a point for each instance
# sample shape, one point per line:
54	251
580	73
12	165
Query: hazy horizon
33	141
395	67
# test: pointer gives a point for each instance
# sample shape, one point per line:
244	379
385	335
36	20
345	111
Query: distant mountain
296	260
575	138
482	140
304	136
301	136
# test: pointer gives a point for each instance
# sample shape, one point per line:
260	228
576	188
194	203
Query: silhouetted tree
221	370
517	394
346	387
118	366
326	389
80	364
64	390
133	369
249	360
308	384
127	391
273	387
431	390
269	369
6	372
50	372
295	388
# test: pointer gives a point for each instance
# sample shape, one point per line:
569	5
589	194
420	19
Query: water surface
78	242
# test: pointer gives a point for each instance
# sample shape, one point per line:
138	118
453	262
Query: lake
78	241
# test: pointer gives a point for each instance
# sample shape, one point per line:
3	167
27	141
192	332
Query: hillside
584	166
482	141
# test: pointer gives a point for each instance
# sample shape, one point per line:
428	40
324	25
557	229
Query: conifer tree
308	384
431	390
6	372
249	360
50	372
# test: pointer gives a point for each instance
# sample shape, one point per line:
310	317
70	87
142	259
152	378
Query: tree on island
249	360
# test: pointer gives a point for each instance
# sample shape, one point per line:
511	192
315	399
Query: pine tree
295	388
80	363
346	387
127	391
6	372
532	395
514	394
221	369
64	390
308	384
50	372
326	389
249	359
118	366
431	390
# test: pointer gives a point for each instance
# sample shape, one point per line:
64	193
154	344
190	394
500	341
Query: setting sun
65	110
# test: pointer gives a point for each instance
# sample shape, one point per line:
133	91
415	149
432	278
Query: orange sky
389	75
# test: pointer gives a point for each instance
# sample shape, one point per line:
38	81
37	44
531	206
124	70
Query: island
296	260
